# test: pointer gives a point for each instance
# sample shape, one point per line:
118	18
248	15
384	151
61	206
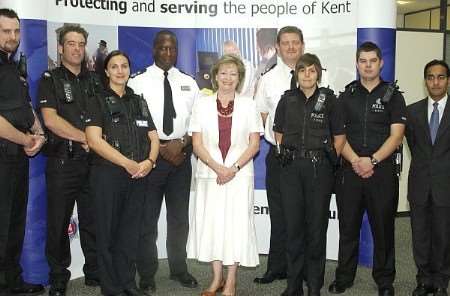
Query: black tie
169	109
293	80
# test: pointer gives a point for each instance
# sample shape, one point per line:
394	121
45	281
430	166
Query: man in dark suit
428	135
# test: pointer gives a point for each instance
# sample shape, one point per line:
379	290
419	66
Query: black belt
310	154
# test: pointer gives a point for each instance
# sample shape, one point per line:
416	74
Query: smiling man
375	120
428	136
170	96
63	95
271	86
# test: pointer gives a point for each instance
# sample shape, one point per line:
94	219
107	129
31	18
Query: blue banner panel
137	42
33	261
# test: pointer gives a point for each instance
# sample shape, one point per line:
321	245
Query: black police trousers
13	211
378	195
67	183
173	184
118	208
276	260
306	189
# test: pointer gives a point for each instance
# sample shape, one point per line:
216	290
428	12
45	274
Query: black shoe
338	288
26	289
269	277
91	282
57	291
148	286
135	292
185	279
313	292
291	293
386	291
423	290
440	292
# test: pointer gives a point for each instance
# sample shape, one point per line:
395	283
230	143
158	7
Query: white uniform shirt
184	91
271	87
441	107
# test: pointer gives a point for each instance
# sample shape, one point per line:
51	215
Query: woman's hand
225	175
144	168
132	167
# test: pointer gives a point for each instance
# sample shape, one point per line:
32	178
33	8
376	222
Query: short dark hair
435	63
113	54
290	29
307	60
71	28
9	13
162	33
368	46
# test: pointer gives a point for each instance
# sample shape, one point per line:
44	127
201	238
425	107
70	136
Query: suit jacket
429	173
205	120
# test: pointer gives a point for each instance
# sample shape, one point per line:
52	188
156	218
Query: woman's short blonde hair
228	59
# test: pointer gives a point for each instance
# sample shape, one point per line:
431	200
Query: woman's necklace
225	111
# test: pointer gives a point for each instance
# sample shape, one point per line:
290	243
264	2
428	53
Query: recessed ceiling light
402	2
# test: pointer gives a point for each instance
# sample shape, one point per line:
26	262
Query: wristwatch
152	162
373	160
236	165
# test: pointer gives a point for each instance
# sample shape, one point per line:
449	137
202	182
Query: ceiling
415	5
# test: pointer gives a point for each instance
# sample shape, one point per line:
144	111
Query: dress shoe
386	291
213	293
57	290
313	292
185	279
269	277
91	282
148	286
27	289
135	292
440	292
287	292
338	288
423	290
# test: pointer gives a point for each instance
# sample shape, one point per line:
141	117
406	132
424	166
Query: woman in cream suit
225	131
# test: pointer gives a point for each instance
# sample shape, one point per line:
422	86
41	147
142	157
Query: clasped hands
172	152
363	167
138	169
225	174
33	144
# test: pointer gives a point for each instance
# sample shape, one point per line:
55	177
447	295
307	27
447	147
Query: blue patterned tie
434	122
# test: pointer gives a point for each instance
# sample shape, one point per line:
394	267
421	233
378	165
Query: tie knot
435	105
165	73
292	72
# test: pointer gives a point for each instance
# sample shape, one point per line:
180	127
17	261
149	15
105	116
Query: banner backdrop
202	27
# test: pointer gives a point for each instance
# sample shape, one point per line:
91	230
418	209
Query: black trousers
67	183
13	211
379	196
173	184
118	208
430	226
277	260
306	191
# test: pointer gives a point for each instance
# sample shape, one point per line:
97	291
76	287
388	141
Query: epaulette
187	74
47	74
139	72
291	92
326	90
268	69
350	87
391	89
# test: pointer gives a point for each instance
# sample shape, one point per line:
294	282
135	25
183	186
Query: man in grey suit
428	135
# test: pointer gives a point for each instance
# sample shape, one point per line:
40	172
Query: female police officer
310	130
121	132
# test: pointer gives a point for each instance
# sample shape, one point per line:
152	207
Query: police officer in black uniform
63	95
375	117
121	131
21	136
310	129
